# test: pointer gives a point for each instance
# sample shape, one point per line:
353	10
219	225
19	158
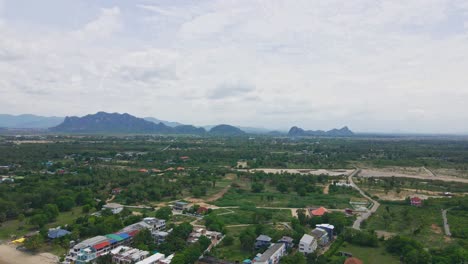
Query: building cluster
198	232
320	237
88	250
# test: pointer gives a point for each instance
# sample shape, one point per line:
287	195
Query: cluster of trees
361	238
191	253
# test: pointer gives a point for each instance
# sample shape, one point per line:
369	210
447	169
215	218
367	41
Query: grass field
423	224
234	251
289	200
247	216
15	228
458	222
370	255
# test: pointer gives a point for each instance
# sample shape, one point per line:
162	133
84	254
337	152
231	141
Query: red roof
143	170
185	157
101	245
133	233
202	210
180	168
319	212
416	200
353	260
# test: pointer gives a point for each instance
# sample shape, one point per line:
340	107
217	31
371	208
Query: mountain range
103	122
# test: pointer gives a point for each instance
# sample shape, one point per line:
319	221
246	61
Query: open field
423	224
337	172
407	173
292	200
370	255
253	216
234	251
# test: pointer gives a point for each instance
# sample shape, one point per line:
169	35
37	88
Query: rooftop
270	251
307	239
264	238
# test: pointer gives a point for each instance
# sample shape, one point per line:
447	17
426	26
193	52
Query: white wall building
114	207
273	254
308	244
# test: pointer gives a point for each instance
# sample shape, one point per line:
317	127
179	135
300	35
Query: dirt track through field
381	173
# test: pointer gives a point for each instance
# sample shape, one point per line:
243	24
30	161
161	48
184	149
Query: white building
273	254
153	259
308	244
114	207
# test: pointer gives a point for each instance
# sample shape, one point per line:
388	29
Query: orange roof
353	260
319	212
170	169
143	170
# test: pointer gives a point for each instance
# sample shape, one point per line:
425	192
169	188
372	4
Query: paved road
368	213
446	225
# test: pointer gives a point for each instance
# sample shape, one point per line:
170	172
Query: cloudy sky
388	66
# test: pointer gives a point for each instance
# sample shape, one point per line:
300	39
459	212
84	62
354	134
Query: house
262	241
57	233
156	170
117	190
159	236
416	201
308	244
114	207
127	255
180	168
272	255
155	224
321	236
288	241
327	227
353	260
143	170
184	158
202	210
153	259
180	206
319	211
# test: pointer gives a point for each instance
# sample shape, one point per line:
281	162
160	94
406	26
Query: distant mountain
167	123
189	129
226	130
29	121
299	132
111	123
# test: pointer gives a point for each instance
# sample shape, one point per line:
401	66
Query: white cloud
372	65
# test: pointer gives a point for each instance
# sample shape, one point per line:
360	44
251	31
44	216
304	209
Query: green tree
164	213
51	211
34	242
144	240
39	220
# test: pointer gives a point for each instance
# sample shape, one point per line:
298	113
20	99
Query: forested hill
226	130
299	132
103	122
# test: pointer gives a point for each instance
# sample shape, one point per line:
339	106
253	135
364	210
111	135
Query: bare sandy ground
338	172
9	255
408	173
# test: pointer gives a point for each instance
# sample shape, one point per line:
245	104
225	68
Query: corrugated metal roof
101	245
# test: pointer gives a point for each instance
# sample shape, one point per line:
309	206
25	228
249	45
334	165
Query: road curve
368	213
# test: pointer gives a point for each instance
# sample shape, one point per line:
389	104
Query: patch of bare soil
436	229
384	234
340	172
326	189
416	173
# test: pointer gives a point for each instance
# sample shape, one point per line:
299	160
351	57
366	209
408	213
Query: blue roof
123	235
56	233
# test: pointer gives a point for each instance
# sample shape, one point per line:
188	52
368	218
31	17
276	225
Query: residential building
308	244
321	236
319	211
272	255
353	260
288	241
329	228
262	241
57	233
416	201
153	259
180	206
114	207
127	255
159	236
213	260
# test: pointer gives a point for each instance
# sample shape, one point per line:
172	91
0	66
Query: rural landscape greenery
59	180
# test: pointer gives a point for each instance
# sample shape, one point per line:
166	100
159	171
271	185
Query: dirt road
367	214
427	175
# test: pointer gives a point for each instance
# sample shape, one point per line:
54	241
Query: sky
373	65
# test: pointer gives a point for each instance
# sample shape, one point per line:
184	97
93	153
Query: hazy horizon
375	66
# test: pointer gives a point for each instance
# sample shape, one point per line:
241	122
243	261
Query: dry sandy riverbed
9	255
407	173
338	172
